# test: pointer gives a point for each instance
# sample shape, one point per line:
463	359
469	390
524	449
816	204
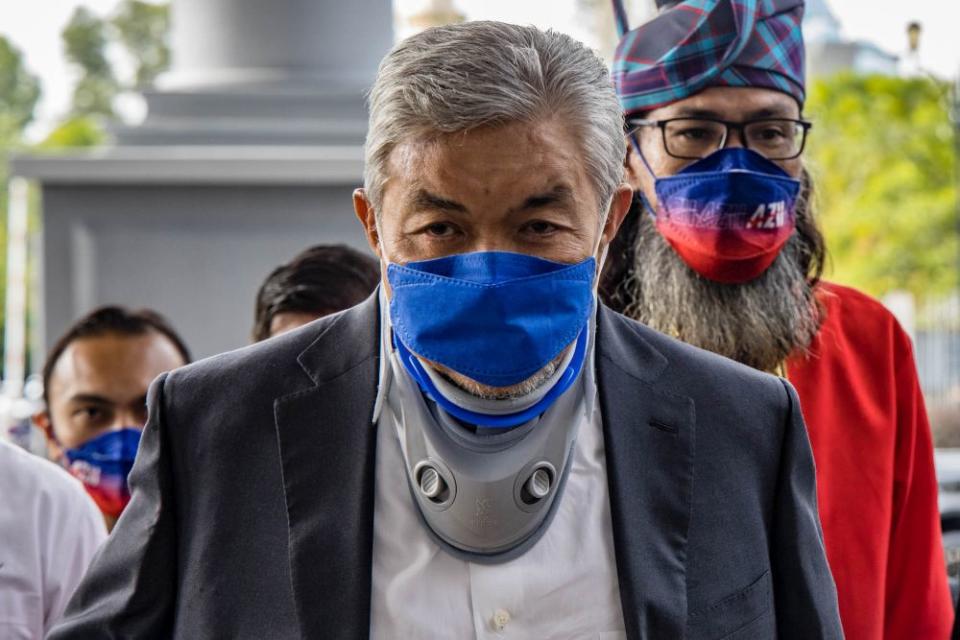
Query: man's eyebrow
770	112
560	194
90	398
764	112
423	199
690	112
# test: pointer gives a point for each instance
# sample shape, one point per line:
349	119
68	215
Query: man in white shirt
480	449
49	531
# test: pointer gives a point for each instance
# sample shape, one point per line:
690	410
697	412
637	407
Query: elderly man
478	450
723	252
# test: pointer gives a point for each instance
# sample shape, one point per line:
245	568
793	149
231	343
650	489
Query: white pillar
278	43
266	72
15	326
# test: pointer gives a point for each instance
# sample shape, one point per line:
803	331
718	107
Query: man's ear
632	162
41	420
619	208
368	218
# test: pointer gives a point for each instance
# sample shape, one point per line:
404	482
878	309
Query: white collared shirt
565	586
49	531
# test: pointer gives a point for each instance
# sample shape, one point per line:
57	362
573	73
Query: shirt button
500	619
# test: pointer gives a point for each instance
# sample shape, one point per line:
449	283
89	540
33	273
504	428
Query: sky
35	28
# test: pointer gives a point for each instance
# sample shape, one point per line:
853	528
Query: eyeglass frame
633	124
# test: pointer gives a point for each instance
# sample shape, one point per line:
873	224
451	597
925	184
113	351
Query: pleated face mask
728	215
495	317
102	465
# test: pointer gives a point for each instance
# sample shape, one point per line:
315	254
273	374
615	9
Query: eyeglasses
695	138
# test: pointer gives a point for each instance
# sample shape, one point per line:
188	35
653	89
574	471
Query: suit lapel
327	444
649	440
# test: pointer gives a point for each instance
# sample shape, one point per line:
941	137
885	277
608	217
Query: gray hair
456	78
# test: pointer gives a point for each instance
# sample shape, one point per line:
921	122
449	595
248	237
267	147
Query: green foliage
19	92
78	131
94	95
85	44
142	28
884	164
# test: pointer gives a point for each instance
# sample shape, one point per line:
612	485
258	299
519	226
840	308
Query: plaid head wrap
695	44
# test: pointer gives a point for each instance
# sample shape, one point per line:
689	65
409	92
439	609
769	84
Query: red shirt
876	485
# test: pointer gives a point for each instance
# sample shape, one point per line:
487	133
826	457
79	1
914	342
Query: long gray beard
759	323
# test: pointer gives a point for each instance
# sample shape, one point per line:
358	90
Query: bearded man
722	250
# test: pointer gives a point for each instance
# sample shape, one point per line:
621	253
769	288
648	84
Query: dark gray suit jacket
252	510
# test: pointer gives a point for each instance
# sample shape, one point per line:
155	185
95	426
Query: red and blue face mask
103	464
728	215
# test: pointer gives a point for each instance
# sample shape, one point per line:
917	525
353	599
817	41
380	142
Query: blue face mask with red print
728	215
103	464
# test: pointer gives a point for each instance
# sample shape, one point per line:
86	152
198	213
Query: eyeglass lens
694	138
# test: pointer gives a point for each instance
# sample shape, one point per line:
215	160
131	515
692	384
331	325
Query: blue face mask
103	464
495	317
728	215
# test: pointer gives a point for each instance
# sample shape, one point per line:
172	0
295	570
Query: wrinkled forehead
500	160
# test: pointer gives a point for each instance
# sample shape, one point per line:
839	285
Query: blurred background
170	154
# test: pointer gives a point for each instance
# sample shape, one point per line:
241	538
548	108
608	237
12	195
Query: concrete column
266	72
278	43
249	153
